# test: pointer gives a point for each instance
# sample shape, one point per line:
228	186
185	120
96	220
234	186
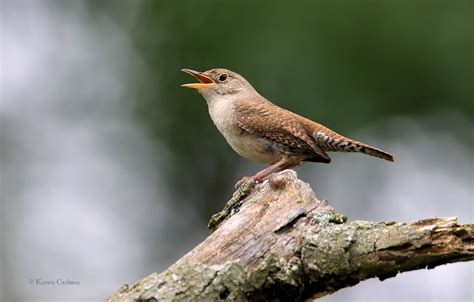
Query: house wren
261	131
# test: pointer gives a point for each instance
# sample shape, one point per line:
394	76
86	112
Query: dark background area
110	170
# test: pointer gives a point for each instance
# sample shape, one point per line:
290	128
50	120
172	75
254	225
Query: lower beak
205	81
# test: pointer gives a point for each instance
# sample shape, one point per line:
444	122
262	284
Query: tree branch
282	243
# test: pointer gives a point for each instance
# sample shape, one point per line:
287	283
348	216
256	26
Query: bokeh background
110	170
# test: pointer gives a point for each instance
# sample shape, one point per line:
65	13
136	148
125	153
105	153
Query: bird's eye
223	77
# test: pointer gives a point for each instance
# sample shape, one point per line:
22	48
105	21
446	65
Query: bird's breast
222	115
253	148
245	144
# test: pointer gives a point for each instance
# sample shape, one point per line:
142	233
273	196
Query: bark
281	243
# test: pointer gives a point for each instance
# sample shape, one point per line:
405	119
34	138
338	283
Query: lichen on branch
279	242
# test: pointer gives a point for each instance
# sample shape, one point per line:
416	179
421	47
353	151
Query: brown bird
261	131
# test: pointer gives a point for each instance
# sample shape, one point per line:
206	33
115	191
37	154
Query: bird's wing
278	125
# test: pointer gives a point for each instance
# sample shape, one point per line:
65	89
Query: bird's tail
372	151
329	140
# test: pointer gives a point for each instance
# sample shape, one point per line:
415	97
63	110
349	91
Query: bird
261	131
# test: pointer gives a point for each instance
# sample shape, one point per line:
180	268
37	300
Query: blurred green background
110	170
342	63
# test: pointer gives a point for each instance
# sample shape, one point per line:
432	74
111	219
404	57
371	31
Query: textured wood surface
281	243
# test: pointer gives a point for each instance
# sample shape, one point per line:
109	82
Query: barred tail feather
369	150
334	142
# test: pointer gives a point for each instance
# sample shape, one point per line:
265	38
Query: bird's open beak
205	81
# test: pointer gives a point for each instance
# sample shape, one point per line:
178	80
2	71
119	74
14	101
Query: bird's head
220	83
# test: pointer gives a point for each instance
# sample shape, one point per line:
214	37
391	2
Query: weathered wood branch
282	243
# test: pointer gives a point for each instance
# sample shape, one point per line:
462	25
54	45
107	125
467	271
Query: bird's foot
250	179
256	179
244	180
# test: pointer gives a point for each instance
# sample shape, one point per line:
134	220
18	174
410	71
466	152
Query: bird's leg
288	166
284	167
264	173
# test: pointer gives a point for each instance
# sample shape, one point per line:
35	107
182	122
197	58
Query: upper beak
205	81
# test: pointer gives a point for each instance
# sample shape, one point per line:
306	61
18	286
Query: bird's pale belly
251	147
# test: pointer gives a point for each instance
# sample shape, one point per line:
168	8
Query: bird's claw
244	180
